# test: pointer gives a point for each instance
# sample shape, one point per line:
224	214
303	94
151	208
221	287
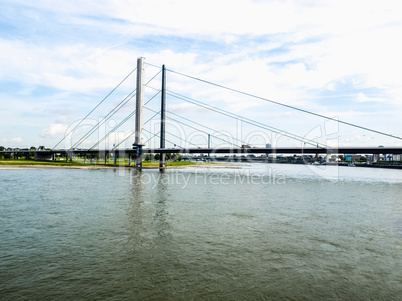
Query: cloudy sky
338	58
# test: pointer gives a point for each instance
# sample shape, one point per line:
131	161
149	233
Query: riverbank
10	164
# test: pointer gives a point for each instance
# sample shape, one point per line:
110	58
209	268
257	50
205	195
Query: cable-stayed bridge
164	138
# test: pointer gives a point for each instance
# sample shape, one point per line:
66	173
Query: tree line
168	157
32	148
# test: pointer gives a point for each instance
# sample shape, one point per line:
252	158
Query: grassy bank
169	163
80	162
37	163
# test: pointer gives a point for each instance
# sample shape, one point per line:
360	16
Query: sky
340	59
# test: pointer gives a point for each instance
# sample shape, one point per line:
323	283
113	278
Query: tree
33	148
149	157
41	147
2	148
363	159
175	157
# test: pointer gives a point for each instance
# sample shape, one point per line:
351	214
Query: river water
251	232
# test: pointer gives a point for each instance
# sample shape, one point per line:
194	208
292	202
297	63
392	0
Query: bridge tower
163	114
139	114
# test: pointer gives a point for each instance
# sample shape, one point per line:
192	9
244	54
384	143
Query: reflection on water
214	234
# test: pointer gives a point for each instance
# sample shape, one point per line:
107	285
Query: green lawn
80	162
168	163
32	162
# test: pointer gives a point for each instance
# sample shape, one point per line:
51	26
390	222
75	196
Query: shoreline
197	165
97	167
27	166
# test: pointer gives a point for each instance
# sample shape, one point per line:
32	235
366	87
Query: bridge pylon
139	114
163	114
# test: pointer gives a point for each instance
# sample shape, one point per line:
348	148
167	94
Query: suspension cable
114	89
166	139
144	122
119	125
246	120
171	133
284	105
113	130
111	113
152	137
199	124
106	118
194	129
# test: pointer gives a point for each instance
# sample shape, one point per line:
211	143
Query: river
245	232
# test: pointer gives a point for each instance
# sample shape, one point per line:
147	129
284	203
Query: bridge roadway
282	150
279	150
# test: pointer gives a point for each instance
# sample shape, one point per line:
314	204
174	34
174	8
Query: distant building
352	158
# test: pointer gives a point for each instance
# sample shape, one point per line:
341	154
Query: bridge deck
281	150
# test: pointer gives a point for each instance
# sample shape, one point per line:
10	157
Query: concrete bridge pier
139	114
138	163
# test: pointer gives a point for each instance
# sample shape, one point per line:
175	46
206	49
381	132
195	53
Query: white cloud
53	131
346	48
361	97
287	51
76	68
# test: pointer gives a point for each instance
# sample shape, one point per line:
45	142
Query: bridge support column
115	158
163	118
138	163
90	156
69	157
162	160
209	144
139	114
105	158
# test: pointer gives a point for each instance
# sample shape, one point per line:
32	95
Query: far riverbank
10	164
